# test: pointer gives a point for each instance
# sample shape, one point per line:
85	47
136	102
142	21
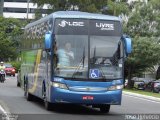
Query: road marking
5	113
142	98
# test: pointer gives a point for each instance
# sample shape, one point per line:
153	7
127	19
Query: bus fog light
63	86
116	87
112	88
59	85
55	85
119	87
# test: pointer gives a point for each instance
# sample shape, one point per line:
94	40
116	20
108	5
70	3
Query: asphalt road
12	100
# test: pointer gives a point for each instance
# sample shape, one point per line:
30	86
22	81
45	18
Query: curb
142	96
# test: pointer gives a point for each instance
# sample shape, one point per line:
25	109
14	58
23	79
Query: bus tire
18	84
47	105
104	108
43	91
28	96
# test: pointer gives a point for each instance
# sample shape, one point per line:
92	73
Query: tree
144	20
117	8
145	54
82	5
9	28
143	26
158	73
97	6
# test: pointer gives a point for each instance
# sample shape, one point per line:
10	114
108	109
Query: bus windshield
105	57
75	57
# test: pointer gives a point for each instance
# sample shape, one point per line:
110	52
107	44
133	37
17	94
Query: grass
142	92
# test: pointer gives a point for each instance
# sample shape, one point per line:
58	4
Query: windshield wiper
94	61
94	55
79	65
83	56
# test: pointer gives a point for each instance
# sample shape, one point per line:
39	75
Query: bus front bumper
66	96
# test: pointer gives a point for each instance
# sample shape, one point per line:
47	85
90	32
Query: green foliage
16	64
7	50
144	27
144	20
142	92
38	14
9	29
145	54
117	8
97	6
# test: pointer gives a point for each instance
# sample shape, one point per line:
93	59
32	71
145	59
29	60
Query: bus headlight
116	87
59	85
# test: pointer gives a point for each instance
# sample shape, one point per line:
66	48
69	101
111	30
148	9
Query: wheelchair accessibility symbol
94	73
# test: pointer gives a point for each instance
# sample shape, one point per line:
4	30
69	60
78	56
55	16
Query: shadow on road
71	108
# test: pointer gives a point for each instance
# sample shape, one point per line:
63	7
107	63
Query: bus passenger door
48	72
45	73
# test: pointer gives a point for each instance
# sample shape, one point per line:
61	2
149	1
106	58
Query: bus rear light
59	85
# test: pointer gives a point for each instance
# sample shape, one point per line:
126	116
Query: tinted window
138	82
71	56
87	27
157	84
8	65
71	27
105	28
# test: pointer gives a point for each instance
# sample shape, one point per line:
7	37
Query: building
22	9
131	1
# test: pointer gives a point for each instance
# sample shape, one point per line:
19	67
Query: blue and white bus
94	75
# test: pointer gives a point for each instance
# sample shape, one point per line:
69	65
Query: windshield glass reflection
105	56
71	57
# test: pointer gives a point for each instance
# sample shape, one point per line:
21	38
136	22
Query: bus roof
75	14
86	15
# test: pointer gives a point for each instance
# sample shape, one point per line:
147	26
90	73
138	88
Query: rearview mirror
48	41
128	45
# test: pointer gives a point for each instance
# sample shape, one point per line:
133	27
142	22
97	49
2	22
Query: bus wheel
48	105
104	108
28	96
18	84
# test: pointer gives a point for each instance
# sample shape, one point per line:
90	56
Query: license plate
87	97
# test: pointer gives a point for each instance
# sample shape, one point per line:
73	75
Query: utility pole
27	8
1	7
